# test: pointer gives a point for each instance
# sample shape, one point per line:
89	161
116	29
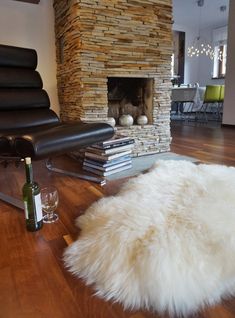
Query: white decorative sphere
126	120
142	120
111	121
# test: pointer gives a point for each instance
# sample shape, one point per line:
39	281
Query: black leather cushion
27	126
20	78
17	57
61	139
7	137
23	98
16	119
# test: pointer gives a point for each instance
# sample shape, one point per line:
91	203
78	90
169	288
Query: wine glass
50	199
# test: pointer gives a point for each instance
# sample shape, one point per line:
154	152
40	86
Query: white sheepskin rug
165	242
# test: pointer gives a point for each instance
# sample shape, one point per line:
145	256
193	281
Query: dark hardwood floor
33	280
214	145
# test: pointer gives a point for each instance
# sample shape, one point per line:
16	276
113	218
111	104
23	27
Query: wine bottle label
38	206
26	211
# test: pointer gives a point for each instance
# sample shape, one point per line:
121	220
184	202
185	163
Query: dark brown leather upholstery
19	78
27	126
13	99
60	139
24	119
12	56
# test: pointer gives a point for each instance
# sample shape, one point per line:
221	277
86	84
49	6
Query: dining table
187	99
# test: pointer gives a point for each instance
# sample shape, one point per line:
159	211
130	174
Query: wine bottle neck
29	173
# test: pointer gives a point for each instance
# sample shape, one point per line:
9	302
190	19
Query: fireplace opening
130	96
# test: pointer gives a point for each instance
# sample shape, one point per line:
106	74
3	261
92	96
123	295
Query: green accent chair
221	97
211	97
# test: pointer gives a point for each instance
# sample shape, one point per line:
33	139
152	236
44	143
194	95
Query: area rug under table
165	242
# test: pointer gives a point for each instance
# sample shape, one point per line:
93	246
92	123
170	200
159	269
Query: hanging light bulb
200	45
219	53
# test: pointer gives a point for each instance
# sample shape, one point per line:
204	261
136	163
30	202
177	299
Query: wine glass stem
50	215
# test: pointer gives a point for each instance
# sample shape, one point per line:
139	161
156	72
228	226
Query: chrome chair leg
191	114
219	111
202	112
51	167
12	201
4	160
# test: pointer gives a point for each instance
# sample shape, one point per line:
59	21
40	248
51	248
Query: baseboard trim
228	126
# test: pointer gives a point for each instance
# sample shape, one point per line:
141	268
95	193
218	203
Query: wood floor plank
68	239
34	281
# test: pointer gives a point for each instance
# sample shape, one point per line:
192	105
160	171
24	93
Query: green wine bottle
32	200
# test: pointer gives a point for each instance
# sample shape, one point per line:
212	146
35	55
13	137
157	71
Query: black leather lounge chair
28	127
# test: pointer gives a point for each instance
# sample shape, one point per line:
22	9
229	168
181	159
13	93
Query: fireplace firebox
130	96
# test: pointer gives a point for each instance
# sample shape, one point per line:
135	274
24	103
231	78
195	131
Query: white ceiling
187	13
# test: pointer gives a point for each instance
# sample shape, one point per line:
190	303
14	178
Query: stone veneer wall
96	39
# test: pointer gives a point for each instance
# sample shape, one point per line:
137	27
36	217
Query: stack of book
109	157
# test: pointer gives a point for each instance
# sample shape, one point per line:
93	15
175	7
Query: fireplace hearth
130	96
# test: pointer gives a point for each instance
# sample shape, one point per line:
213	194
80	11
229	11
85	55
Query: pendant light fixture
200	46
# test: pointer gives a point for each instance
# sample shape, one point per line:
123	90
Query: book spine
109	168
113	141
107	163
106	157
118	144
107	173
109	151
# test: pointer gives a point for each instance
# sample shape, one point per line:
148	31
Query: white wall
205	64
32	26
229	102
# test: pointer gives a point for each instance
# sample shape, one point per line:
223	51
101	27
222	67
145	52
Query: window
220	52
219	65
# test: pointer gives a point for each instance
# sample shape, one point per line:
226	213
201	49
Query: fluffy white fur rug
165	242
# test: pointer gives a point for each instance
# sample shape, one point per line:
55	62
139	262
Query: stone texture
97	39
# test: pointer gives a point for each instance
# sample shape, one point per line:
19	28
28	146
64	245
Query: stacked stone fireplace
114	58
